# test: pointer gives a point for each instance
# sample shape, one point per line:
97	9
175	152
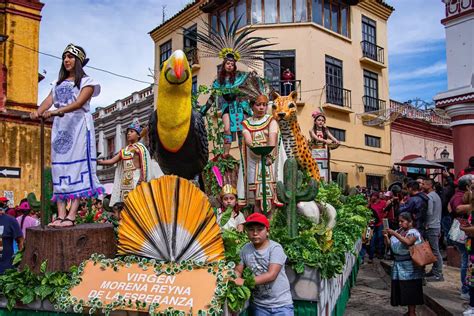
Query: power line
91	67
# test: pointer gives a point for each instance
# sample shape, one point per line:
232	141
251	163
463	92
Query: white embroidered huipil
73	147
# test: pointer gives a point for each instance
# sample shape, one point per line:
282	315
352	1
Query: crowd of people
423	210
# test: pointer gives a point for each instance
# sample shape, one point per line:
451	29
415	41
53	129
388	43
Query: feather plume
248	49
218	175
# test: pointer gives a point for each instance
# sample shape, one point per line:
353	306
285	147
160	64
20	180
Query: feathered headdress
255	87
135	126
227	44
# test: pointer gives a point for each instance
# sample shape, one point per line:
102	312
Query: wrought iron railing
373	104
372	51
338	96
285	87
192	55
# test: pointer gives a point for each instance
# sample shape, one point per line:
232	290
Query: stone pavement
371	295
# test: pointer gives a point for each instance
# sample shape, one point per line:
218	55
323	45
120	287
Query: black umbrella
420	162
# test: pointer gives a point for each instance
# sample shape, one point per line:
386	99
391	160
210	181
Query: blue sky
115	36
417	56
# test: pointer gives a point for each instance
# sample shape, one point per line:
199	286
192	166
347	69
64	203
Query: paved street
371	295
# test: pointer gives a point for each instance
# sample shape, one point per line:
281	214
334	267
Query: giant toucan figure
177	134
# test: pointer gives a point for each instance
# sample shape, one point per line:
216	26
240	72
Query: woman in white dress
73	152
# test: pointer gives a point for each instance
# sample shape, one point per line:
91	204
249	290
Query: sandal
55	220
72	221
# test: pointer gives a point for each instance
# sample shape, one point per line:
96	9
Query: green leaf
43	266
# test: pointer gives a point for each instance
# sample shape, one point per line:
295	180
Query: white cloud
435	69
415	26
114	34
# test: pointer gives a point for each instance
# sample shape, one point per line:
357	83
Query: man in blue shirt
9	231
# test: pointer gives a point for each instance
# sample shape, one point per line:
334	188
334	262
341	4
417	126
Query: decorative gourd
169	219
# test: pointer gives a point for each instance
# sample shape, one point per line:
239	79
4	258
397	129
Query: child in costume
73	146
321	137
236	219
133	165
266	259
259	130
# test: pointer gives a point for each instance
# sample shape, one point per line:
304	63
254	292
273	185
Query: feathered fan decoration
228	44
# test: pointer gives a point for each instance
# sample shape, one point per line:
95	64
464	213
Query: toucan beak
178	64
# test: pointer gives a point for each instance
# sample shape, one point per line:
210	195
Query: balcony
193	57
285	87
372	104
372	55
338	96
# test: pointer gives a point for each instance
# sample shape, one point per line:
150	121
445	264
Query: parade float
169	255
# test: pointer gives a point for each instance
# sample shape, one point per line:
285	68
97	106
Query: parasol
420	162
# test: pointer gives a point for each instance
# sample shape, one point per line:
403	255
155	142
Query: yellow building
337	51
19	143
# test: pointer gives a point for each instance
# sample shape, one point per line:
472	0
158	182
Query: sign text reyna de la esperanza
183	291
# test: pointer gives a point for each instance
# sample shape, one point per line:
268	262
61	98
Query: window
335	174
241	12
286	11
194	88
369	33
372	141
110	147
373	182
165	52
301	12
275	64
332	14
214	23
270	9
256	11
190	44
369	38
340	134
371	91
334	83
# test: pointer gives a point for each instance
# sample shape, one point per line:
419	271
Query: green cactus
341	180
35	204
293	191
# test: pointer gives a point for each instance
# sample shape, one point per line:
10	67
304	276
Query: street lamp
444	154
360	168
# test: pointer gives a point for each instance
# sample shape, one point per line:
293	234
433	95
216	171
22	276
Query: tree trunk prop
292	191
67	247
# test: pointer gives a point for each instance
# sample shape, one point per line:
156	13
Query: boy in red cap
266	259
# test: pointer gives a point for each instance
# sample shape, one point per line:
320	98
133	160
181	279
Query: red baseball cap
3	199
258	218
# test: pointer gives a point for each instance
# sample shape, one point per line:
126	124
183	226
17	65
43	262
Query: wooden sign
185	291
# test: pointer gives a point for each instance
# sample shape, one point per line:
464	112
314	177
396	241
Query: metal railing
285	87
338	96
192	55
372	51
373	104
